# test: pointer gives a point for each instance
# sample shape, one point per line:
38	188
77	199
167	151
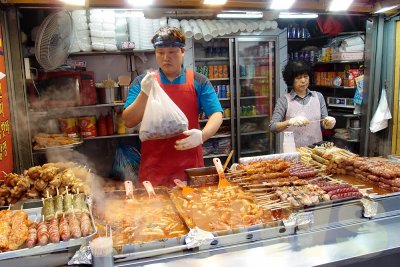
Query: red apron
160	162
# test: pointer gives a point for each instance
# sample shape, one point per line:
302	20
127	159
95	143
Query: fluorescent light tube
214	2
384	9
74	2
285	15
340	5
241	15
281	4
140	2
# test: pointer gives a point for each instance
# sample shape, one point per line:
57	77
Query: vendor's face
170	59
301	83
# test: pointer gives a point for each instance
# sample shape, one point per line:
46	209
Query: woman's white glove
329	122
195	138
298	121
147	83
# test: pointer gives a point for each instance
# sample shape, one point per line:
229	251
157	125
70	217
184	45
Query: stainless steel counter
345	244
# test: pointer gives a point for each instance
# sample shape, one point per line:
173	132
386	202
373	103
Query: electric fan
53	40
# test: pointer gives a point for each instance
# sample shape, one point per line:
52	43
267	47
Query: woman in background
301	111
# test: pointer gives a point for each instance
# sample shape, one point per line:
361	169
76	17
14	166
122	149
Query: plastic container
354	133
288	142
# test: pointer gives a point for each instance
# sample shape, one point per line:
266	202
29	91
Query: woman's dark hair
295	68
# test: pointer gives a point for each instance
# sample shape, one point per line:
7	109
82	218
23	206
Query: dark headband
160	42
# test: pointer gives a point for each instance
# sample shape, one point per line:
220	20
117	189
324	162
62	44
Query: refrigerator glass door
255	85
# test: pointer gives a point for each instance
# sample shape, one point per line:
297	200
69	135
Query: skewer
9	206
4	173
47	194
58	192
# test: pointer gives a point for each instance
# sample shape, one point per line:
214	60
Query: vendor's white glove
298	121
147	82
195	138
329	122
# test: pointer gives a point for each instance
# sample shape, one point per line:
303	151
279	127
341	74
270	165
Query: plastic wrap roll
163	22
242	26
249	27
197	34
274	24
261	25
174	23
227	27
220	27
206	32
234	26
187	29
268	24
213	28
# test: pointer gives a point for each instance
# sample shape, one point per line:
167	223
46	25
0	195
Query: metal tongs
149	189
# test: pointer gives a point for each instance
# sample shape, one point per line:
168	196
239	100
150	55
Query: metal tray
60	147
156	247
250	234
36	214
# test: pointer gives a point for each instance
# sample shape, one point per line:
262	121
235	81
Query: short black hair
295	68
169	35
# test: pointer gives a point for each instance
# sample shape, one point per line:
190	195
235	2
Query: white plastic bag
162	118
382	115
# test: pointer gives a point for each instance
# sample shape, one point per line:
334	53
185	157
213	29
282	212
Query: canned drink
242	71
227	112
87	125
219	91
225	71
228	91
223	91
211	72
216	73
69	126
220	71
205	70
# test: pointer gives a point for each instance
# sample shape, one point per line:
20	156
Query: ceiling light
286	15
281	4
240	15
74	2
214	2
384	9
340	5
140	2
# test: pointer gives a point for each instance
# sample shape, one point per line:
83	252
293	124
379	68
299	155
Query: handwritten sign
6	157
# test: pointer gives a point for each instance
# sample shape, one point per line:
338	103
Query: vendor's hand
299	121
147	82
195	138
329	122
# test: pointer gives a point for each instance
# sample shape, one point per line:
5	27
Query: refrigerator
242	70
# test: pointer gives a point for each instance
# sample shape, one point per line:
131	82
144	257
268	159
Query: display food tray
36	214
387	205
331	214
249	234
151	248
59	147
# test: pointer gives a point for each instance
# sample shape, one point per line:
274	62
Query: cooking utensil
149	189
129	190
187	191
228	159
222	180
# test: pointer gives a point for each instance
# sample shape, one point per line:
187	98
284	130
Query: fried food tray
36	214
152	248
